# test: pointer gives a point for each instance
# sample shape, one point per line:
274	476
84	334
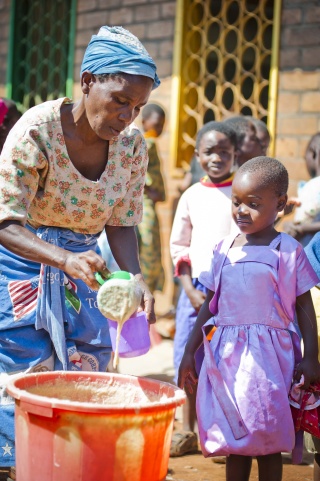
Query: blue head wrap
115	50
313	253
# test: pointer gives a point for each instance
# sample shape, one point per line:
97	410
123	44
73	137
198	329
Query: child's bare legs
316	467
238	467
270	467
189	414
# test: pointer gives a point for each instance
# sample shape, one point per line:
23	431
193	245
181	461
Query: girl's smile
216	155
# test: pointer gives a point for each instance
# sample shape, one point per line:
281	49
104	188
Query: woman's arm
309	365
19	240
124	247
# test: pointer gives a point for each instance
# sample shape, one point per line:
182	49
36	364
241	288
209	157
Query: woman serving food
68	171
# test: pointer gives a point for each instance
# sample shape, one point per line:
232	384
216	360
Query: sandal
12	474
183	442
7	474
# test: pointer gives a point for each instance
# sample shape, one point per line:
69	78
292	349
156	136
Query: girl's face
114	104
216	155
254	208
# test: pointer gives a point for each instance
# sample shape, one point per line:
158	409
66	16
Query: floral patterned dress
40	185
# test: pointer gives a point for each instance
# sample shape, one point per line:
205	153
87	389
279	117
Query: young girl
256	282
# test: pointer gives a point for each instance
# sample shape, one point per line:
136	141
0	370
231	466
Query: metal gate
41	50
223	64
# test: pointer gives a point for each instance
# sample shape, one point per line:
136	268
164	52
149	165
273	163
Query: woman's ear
86	79
282	202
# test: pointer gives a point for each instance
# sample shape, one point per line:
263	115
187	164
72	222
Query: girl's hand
147	302
295	230
187	377
310	369
292	202
83	265
196	298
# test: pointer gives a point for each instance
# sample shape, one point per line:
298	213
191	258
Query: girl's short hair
272	173
221	127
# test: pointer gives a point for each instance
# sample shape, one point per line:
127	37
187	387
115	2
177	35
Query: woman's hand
83	265
310	369
187	377
147	301
196	298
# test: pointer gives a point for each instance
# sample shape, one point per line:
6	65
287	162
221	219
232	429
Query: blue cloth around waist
44	297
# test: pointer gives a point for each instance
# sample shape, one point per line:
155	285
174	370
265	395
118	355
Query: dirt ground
197	468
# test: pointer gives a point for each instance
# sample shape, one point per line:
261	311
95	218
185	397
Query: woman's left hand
147	302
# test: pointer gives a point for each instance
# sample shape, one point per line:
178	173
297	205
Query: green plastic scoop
113	275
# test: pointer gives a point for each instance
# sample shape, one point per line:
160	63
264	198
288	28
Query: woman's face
112	105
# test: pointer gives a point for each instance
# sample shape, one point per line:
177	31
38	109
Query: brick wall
298	115
151	21
4	42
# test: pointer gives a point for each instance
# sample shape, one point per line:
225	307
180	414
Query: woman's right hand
196	298
187	377
83	265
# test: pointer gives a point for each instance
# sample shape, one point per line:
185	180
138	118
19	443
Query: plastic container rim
20	393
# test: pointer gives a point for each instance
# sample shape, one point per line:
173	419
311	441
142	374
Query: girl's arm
187	373
309	366
195	296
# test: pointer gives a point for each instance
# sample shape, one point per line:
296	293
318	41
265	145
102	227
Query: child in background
153	118
263	133
248	143
307	216
313	253
203	217
148	231
256	281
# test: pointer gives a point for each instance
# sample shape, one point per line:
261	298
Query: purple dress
242	400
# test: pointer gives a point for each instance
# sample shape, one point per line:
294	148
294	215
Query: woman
69	170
